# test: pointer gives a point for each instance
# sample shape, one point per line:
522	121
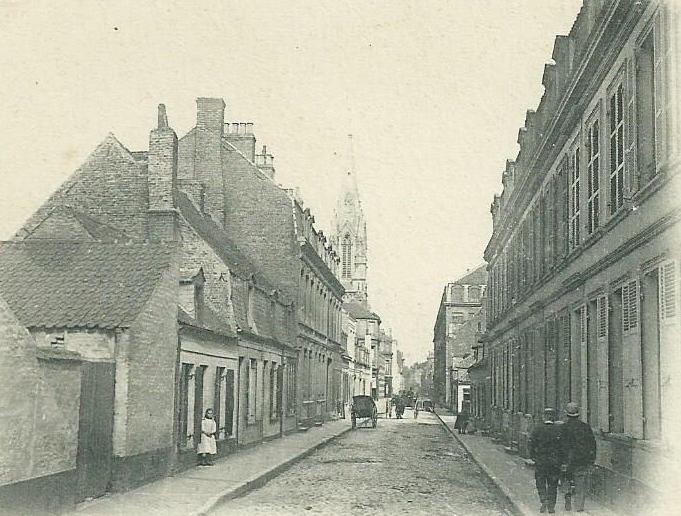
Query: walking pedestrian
579	451
207	447
462	418
547	453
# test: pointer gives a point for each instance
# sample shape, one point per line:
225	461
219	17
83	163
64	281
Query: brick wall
151	363
218	287
259	216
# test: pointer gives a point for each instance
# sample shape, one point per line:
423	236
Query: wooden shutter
632	367
584	361
603	366
668	292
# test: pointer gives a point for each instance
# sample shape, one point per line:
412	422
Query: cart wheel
354	422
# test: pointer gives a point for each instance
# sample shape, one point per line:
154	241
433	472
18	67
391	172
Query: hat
572	409
549	414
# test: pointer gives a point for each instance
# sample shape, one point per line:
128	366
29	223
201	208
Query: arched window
346	249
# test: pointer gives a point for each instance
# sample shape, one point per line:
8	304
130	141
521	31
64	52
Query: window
291	386
616	113
652	102
575	237
346	252
252	391
457	318
593	180
274	393
474	294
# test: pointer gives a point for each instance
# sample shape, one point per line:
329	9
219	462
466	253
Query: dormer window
191	294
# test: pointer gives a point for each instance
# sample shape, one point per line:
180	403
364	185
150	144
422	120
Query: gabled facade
461	301
583	303
228	332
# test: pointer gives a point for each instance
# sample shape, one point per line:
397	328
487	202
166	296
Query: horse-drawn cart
364	409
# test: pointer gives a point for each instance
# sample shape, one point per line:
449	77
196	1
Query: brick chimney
265	162
162	180
240	134
210	116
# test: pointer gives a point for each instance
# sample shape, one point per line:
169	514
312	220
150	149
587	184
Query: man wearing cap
547	452
579	450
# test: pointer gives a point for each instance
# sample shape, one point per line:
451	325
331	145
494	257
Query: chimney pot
162	116
235	127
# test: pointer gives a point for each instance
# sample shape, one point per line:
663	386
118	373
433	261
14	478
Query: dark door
95	429
198	403
229	401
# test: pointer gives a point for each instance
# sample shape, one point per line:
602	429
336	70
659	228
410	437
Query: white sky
433	91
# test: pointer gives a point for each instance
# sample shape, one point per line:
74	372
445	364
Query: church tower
350	239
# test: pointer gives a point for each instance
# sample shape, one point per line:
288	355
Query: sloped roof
209	321
79	284
475	277
359	311
97	229
220	242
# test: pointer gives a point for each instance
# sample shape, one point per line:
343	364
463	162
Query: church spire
350	234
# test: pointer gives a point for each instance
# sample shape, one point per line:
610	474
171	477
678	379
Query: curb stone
520	508
242	489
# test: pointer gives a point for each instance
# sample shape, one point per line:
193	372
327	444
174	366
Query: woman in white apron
207	446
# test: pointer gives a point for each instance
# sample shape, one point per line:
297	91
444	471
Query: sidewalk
198	490
510	472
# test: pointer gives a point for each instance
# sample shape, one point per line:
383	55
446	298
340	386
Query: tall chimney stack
210	119
210	114
162	179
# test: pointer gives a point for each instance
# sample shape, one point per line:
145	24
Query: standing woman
207	446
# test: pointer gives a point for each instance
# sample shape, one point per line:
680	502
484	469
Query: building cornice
598	59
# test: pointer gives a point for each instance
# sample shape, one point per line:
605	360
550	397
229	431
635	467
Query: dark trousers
546	477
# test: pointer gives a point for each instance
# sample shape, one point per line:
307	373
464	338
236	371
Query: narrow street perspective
403	466
457	293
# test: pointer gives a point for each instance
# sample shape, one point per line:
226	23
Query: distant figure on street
547	452
462	418
388	408
579	452
207	447
416	408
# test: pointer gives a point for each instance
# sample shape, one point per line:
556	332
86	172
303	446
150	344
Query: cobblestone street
404	466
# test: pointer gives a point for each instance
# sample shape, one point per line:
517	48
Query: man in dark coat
547	452
579	451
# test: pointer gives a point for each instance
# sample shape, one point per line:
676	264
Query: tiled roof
79	284
475	277
209	321
359	311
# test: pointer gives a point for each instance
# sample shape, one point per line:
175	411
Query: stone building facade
583	301
461	301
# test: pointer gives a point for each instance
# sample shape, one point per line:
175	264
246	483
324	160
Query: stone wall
39	404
